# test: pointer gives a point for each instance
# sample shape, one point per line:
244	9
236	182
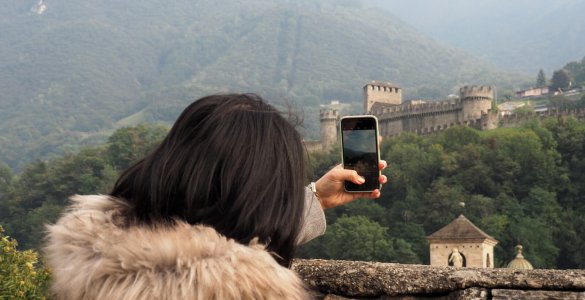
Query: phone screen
359	137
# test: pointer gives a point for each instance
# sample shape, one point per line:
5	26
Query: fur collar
93	255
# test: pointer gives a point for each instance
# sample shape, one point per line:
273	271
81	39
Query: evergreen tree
540	79
560	80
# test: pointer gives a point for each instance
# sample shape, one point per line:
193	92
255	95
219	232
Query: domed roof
519	262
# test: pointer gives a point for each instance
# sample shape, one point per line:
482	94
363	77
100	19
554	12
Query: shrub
21	274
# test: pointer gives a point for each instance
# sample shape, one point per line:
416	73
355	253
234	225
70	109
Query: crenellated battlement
328	114
381	92
473	108
408	109
380	86
476	93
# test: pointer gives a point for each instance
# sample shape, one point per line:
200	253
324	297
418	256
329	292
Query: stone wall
433	117
379	92
429	119
330	279
422	117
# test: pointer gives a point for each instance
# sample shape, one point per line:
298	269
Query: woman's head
231	162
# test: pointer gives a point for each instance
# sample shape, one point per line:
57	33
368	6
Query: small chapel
461	244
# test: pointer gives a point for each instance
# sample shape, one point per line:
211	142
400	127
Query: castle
384	100
472	108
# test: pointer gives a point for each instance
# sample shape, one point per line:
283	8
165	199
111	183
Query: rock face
332	279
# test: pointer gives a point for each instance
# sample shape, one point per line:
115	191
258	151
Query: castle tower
384	92
328	118
462	240
475	101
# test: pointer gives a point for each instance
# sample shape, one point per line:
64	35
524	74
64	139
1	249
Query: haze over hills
71	71
523	35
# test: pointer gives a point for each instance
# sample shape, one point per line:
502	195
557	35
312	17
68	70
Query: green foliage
358	238
21	275
521	185
524	111
540	79
561	102
560	80
39	193
128	145
576	71
320	162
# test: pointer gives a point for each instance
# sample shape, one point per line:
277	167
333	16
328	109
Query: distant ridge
81	67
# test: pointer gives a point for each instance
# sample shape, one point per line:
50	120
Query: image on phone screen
360	152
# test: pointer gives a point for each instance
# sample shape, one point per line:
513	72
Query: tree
577	71
524	111
440	205
560	80
580	103
320	162
456	137
5	185
128	145
359	238
364	207
540	79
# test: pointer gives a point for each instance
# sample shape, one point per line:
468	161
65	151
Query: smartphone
359	151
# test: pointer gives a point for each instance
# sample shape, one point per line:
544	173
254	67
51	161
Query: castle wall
423	118
380	93
472	109
489	121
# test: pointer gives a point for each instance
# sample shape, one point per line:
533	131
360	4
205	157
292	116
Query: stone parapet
333	279
388	112
476	92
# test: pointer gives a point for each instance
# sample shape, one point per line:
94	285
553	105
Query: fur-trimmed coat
94	254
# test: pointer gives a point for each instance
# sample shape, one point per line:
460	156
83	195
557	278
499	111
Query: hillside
71	72
524	35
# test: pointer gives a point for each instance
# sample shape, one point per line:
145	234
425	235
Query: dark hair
231	162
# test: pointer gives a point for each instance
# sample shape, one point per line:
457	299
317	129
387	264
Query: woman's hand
330	188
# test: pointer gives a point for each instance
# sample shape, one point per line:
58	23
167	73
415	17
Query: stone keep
381	92
476	247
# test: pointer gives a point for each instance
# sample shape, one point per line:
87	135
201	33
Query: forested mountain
72	71
521	35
